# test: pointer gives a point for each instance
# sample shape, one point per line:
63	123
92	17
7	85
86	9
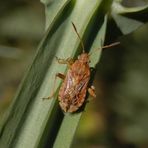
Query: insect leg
68	61
91	91
62	76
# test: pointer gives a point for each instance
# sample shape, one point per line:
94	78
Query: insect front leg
58	75
68	61
91	91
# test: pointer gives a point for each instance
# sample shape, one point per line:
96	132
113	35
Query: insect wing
81	89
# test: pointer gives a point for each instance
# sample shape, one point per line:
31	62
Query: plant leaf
128	19
53	8
119	9
125	24
70	122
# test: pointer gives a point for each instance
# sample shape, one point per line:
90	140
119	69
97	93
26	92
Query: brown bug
73	90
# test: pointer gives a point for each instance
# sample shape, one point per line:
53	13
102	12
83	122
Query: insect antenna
106	46
110	45
82	45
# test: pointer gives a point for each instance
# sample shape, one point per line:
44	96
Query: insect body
73	90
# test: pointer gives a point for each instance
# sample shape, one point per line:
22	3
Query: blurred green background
119	114
21	29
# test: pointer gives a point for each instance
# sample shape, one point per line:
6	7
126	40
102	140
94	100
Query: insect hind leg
91	91
60	75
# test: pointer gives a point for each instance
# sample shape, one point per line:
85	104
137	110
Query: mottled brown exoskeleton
75	85
73	90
